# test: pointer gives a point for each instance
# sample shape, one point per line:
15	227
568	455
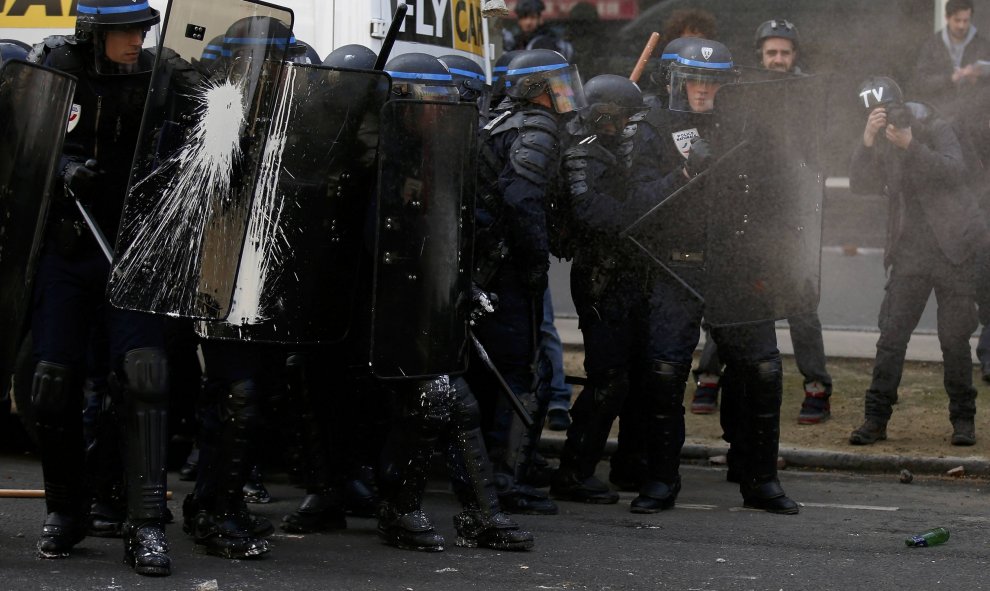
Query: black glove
483	303
699	158
537	281
81	177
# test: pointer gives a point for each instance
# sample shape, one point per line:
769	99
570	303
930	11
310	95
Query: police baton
644	57
513	399
393	31
94	228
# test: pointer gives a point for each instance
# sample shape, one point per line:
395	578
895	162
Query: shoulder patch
74	114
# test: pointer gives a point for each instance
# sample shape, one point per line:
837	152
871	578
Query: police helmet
498	75
702	61
778	27
528	7
303	53
106	15
534	72
661	73
468	76
354	57
421	76
213	51
11	49
612	99
257	35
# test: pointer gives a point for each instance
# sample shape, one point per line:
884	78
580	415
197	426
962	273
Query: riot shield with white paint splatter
298	270
424	238
200	148
35	103
765	202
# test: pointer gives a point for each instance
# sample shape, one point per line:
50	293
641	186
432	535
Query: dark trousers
903	304
809	350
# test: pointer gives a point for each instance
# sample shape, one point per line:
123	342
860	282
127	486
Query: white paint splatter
197	187
266	244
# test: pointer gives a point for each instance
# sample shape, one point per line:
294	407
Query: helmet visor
693	90
426	92
566	90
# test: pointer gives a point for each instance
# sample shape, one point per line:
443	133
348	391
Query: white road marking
853	507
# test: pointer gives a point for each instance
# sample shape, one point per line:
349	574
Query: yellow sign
466	16
38	14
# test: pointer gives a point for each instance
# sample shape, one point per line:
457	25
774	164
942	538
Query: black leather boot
664	389
317	512
761	489
482	523
401	520
146	549
224	527
592	415
56	393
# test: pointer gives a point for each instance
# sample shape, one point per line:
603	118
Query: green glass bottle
932	537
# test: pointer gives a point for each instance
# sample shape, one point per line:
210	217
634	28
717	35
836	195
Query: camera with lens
899	116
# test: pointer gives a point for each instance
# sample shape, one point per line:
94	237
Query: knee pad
55	392
767	386
611	390
146	371
464	412
432	403
242	395
666	382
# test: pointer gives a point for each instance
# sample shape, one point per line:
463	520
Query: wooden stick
644	57
27	493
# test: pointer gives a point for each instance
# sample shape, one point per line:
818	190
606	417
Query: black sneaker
816	408
705	400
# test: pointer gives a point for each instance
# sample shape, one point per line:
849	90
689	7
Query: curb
815	458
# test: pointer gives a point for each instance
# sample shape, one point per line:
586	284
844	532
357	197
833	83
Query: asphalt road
848	536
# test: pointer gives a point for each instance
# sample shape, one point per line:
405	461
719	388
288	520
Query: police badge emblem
74	114
707	52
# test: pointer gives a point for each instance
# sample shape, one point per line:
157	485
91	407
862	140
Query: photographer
934	229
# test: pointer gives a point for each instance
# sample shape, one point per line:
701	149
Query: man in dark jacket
934	229
954	64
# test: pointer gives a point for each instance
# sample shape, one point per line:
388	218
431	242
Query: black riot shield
34	110
765	201
760	205
424	238
201	144
298	269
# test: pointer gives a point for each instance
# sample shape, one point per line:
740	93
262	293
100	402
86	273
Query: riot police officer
749	350
106	55
611	182
442	407
518	166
